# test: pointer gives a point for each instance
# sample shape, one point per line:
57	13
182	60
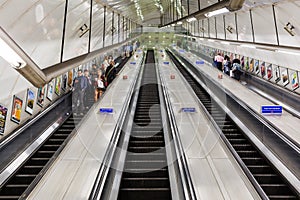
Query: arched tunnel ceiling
148	12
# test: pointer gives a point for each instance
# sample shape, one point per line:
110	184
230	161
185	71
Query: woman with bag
99	85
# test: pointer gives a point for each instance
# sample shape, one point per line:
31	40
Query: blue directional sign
271	110
199	62
106	110
166	62
133	63
188	110
181	50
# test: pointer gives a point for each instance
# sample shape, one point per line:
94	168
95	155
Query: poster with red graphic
16	110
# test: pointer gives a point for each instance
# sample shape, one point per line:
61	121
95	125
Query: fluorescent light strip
216	12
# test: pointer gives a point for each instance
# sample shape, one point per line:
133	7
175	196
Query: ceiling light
216	12
288	52
191	19
248	45
8	54
225	42
179	23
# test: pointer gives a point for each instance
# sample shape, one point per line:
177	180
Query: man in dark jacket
79	86
110	73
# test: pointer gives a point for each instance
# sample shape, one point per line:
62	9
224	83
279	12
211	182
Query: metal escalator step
242	146
259	169
143	149
237	141
282	197
253	160
267	178
146	143
137	173
145	164
9	197
247	153
146	156
145	193
276	189
17	185
150	182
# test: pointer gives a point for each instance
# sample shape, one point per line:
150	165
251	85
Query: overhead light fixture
225	42
191	19
8	54
248	46
216	12
289	28
179	23
288	52
173	24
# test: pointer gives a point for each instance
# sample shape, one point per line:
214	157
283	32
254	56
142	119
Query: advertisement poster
64	82
276	74
16	110
50	90
269	72
284	76
41	96
3	114
263	69
30	101
70	78
251	65
57	85
256	66
247	63
294	80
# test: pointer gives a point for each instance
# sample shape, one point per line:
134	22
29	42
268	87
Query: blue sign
181	50
188	110
139	51
166	62
106	110
199	62
271	110
133	63
161	50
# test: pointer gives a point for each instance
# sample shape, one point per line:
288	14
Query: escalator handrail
110	152
189	190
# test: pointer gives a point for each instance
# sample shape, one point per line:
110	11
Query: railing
188	189
111	149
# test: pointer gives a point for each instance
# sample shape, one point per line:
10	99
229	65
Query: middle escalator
145	173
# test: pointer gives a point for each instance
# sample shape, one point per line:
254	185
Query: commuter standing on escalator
110	72
227	65
219	59
79	86
89	91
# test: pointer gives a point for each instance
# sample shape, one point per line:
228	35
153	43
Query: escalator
270	180
20	184
145	175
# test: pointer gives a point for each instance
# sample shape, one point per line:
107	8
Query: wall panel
263	24
244	26
288	13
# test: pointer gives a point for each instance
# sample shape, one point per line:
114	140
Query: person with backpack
236	69
219	59
110	73
227	65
